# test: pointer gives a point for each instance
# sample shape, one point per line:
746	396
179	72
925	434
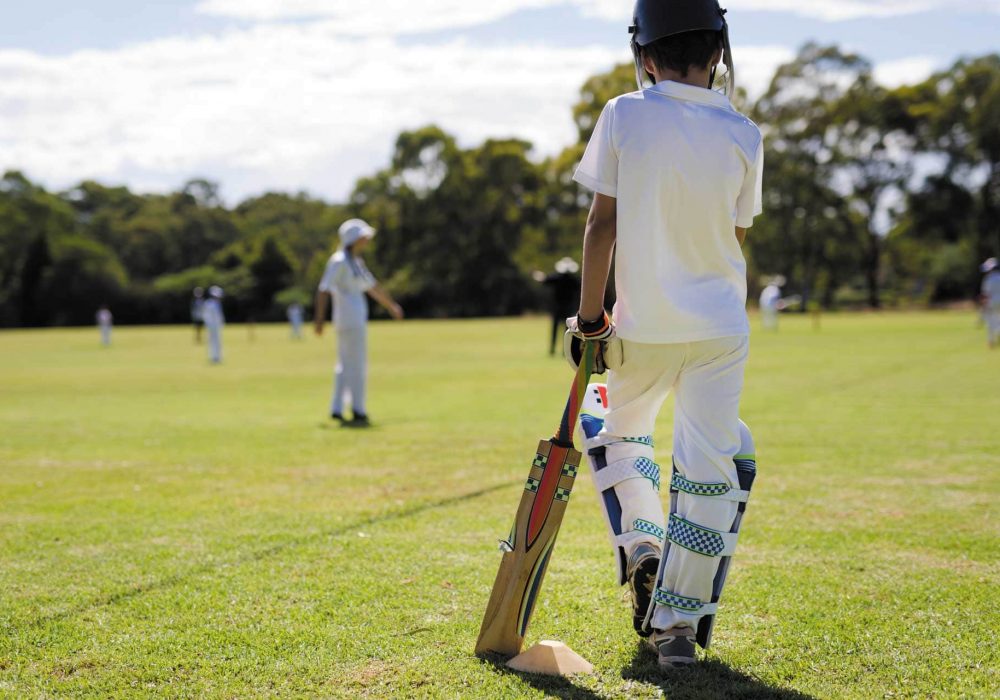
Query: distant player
990	300
347	280
770	305
564	292
104	320
296	316
676	172
198	312
214	321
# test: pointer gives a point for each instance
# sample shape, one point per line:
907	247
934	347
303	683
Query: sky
309	95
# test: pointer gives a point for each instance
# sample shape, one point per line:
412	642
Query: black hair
681	52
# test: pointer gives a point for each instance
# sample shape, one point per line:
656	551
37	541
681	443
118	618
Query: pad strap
691	606
625	469
701	540
720	490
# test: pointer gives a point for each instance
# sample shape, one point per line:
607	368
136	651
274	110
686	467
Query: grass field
173	529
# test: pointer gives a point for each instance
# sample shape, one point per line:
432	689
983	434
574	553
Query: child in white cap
347	280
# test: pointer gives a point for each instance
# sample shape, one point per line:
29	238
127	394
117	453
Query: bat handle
564	436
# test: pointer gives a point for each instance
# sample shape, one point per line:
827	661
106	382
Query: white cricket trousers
992	318
105	335
707	380
214	342
352	369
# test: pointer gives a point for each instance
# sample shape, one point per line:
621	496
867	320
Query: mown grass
172	529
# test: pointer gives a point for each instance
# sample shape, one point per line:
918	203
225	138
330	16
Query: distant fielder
770	305
198	312
990	300
296	315
214	321
564	288
104	320
347	280
676	172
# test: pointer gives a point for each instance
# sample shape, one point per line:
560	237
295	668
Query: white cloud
297	105
374	17
394	17
275	106
906	70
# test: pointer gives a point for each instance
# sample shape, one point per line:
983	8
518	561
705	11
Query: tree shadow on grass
706	679
552	686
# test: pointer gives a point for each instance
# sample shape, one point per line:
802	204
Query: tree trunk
872	264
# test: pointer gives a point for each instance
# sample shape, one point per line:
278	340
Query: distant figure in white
770	305
214	320
295	317
990	300
104	319
347	280
198	312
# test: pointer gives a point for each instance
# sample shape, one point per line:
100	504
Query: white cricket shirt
347	279
686	169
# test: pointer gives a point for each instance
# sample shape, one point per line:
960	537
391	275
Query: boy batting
676	172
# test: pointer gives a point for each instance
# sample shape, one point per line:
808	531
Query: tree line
873	196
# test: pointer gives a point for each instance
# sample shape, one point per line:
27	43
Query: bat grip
564	436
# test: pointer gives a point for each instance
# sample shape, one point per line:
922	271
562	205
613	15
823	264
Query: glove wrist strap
595	327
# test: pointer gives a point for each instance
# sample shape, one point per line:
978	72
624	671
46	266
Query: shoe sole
642	596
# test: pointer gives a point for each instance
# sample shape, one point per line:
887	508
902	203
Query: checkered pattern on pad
696	488
649	528
694	537
677	602
649	469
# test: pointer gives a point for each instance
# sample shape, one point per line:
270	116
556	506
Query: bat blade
527	552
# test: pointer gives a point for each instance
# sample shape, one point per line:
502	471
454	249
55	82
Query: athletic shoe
643	565
360	420
675	646
337	417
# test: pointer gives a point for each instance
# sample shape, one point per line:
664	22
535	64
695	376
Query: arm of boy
598	246
320	304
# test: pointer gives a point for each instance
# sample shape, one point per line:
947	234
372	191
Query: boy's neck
697	77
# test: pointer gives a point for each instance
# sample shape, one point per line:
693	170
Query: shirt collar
691	93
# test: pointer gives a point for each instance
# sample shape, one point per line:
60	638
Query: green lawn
173	529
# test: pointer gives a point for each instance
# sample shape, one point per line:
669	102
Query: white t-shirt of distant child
770	297
347	279
991	290
686	169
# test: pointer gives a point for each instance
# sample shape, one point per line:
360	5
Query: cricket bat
526	552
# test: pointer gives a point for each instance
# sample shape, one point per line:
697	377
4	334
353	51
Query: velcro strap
720	490
625	469
692	606
702	540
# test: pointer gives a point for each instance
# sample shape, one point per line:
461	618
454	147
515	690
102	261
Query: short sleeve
751	200
329	280
598	170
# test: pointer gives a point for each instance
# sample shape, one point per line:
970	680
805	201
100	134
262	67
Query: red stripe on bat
602	389
546	493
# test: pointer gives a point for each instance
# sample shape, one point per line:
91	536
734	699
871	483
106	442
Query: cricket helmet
989	266
353	230
653	20
215	291
198	292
